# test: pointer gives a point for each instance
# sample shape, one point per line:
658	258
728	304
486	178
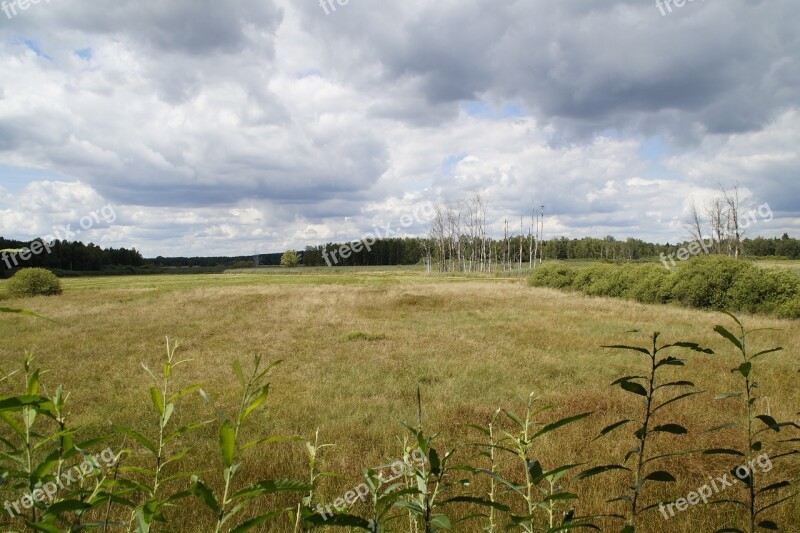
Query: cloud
267	124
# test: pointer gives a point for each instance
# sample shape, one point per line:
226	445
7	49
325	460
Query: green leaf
691	346
770	422
675	429
181	430
478	501
441	522
671	361
723	451
202	491
608	429
745	369
183	392
721	330
515	418
661	476
16	403
765	352
158	401
677	398
723	426
227	443
436	463
634	388
599	470
41	526
676	384
631	348
138	437
729	395
257	521
627	378
535	471
561	423
262	397
775	486
272	486
339	520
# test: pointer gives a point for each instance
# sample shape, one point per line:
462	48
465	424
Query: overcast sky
235	127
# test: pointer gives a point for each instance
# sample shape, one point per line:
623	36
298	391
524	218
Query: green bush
553	275
653	284
30	282
591	276
790	309
705	282
762	291
290	259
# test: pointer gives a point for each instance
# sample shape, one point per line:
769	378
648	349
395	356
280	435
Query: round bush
706	282
790	309
653	285
763	291
553	275
33	282
595	280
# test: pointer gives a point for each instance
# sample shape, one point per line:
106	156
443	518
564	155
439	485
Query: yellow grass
471	345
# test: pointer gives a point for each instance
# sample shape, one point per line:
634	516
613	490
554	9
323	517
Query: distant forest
75	257
410	251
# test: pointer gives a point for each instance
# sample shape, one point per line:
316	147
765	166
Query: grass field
472	344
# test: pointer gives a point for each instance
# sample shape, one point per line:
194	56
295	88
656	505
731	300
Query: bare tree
734	229
695	224
717	217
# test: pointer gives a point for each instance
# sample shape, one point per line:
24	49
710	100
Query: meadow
356	346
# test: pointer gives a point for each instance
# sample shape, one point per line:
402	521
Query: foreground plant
232	502
37	460
656	394
161	448
754	428
541	491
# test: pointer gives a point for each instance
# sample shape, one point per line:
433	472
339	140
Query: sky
254	126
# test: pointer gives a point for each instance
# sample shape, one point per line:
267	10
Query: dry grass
356	347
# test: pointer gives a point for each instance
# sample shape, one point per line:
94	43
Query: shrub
653	284
595	280
30	282
790	309
706	282
764	291
290	259
553	275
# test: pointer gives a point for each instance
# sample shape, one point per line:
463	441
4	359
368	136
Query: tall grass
529	493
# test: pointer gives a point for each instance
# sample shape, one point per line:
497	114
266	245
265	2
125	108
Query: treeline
67	256
411	251
635	249
244	261
381	252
